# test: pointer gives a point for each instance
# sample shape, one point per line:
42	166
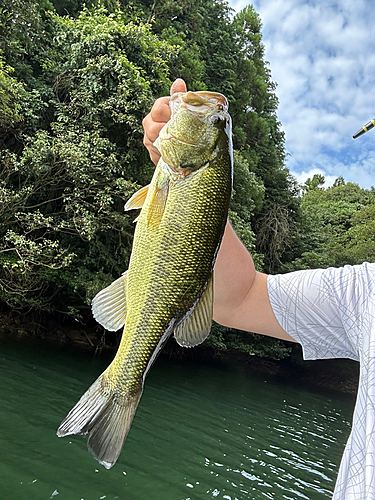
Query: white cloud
303	176
322	57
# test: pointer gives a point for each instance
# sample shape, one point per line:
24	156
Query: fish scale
168	286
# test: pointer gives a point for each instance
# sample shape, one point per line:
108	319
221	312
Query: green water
200	432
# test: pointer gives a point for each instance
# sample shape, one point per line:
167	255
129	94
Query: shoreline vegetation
337	375
76	80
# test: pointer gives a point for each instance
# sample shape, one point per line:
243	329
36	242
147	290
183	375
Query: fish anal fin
109	305
196	326
106	417
138	199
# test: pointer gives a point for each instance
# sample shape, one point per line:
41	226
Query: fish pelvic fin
106	417
109	305
196	325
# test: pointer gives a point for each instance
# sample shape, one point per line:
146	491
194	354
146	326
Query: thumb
178	86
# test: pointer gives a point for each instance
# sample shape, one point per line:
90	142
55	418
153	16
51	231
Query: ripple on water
201	432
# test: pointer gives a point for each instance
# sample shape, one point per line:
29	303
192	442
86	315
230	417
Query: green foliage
222	339
66	216
248	190
11	93
25	37
71	136
204	34
112	71
63	231
315	183
336	225
257	134
359	241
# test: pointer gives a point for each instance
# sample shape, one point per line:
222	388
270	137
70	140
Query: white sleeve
323	309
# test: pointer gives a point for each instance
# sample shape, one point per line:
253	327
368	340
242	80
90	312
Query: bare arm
240	292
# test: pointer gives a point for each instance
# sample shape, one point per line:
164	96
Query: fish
168	287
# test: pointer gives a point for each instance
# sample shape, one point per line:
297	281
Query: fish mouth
214	98
202	98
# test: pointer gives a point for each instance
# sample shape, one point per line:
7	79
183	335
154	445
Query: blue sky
322	56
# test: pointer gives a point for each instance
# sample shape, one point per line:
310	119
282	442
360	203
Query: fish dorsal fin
138	199
109	305
157	204
195	328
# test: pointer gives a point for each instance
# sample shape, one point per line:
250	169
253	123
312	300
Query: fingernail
178	85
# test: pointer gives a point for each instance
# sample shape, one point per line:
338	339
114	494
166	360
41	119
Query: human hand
157	118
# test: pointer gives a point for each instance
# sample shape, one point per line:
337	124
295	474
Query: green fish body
168	287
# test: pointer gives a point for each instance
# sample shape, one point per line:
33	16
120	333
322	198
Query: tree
261	141
63	232
11	94
359	241
72	154
316	182
336	225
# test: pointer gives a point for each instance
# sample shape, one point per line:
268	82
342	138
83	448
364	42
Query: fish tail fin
106	417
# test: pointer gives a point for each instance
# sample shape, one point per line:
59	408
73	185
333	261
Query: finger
152	150
160	110
154	155
151	128
178	86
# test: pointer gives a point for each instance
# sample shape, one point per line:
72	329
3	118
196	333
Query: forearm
240	292
234	275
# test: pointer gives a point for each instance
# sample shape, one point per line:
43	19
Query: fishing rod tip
364	129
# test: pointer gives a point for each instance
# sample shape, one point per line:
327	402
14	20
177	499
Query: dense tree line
75	82
337	225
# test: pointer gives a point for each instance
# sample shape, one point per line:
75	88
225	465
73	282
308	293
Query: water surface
202	431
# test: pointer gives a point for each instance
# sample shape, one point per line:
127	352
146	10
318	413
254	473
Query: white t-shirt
331	312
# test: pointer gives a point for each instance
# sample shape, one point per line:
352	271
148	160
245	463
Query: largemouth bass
168	287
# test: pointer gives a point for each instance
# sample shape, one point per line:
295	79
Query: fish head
191	136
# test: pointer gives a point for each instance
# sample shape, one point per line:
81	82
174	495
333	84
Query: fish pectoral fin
157	204
195	328
106	416
138	199
109	305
